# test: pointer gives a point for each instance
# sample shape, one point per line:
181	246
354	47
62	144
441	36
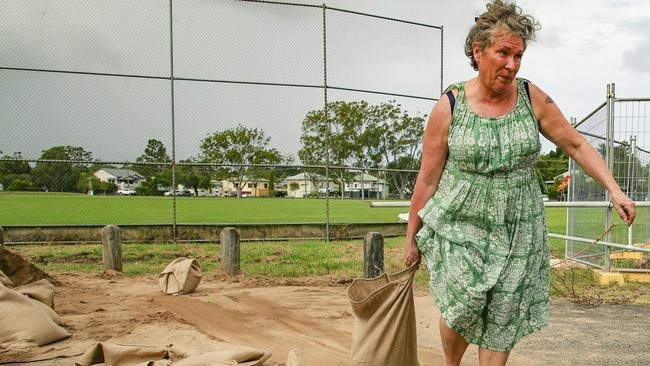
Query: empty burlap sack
4	280
110	354
384	329
236	356
28	322
181	276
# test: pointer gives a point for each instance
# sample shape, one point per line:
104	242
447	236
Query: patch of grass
580	286
305	259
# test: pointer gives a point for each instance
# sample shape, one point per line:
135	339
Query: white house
368	185
125	179
303	184
251	187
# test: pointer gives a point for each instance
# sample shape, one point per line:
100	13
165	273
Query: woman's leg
487	357
453	344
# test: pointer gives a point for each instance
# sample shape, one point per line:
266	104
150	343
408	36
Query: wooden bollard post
112	247
229	240
373	255
2	236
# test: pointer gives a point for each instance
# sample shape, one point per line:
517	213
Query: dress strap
525	85
450	95
527	89
452	101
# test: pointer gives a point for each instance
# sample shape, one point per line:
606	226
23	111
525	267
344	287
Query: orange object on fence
565	182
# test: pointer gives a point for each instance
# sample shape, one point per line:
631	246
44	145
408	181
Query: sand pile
19	270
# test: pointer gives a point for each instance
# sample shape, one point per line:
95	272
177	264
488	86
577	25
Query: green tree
395	138
339	134
239	149
149	187
61	176
188	175
21	182
364	135
155	152
15	168
87	182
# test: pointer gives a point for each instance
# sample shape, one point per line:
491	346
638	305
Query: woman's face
498	64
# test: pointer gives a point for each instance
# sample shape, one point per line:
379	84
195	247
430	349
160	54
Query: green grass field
67	208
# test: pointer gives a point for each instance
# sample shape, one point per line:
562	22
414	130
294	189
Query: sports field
71	209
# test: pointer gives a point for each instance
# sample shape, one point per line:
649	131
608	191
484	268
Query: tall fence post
373	255
112	247
2	236
229	241
610	164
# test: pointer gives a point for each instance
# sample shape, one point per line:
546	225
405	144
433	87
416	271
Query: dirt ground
312	315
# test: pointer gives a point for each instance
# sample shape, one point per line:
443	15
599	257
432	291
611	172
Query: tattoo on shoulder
549	100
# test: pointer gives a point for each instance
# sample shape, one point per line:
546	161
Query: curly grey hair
500	16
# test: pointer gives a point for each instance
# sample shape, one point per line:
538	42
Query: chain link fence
219	112
617	129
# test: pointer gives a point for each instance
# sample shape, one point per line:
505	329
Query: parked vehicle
182	192
126	192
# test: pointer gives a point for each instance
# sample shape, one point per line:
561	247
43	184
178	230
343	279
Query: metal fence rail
617	129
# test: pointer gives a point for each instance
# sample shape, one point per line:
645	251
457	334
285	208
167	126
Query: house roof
123	173
305	176
368	178
245	179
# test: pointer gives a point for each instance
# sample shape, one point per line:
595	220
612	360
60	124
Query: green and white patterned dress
484	231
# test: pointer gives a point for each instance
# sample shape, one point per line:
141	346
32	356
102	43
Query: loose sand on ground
312	315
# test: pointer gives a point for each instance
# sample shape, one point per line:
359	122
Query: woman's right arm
434	156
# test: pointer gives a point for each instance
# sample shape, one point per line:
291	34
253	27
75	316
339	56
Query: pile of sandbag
28	316
110	354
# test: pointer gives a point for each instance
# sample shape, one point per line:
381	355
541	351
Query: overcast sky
583	45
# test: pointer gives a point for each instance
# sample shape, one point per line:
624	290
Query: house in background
126	180
304	184
251	187
366	186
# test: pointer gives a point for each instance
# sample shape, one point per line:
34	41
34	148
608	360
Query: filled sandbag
181	276
40	290
27	322
384	328
5	281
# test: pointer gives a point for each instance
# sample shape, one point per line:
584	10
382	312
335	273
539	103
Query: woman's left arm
557	129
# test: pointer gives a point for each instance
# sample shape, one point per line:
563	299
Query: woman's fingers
626	209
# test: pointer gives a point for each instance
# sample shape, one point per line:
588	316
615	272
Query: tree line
356	133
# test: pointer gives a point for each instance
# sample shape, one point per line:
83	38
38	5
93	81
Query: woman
477	208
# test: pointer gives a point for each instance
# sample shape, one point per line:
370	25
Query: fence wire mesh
209	112
618	131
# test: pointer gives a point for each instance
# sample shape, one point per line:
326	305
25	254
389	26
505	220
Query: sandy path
315	318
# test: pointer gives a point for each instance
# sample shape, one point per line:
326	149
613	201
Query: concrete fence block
230	249
373	255
112	247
